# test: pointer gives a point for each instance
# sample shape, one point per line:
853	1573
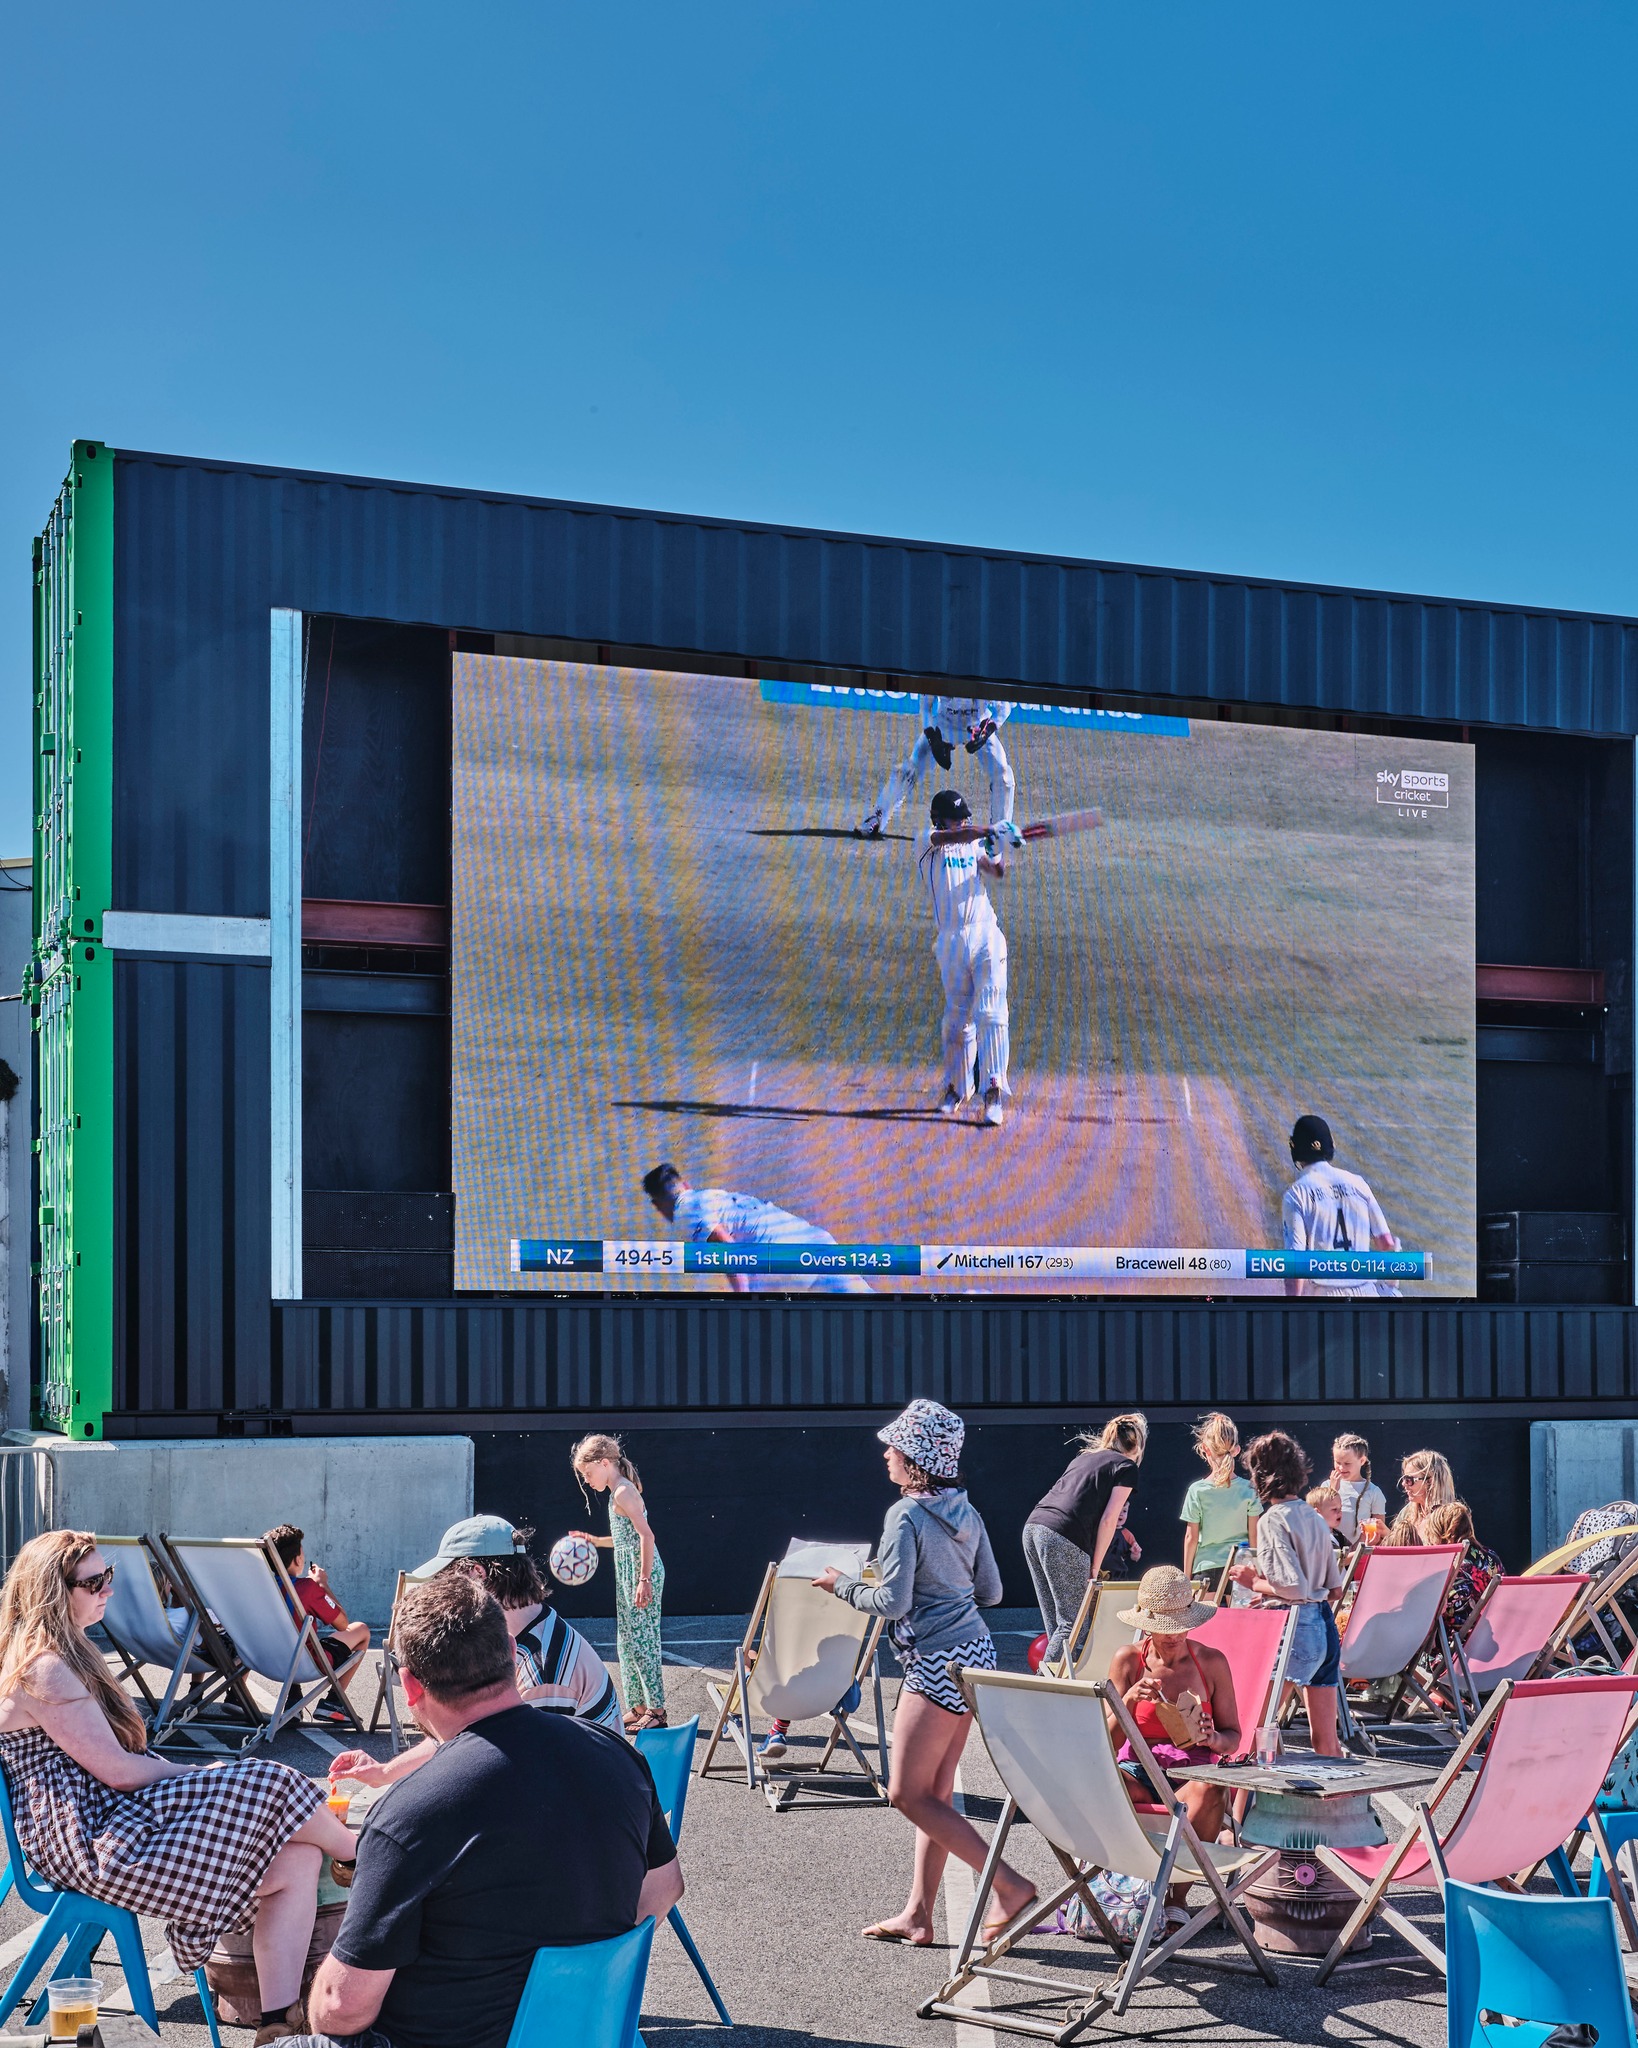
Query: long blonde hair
1433	1467
591	1448
1128	1433
37	1620
1218	1442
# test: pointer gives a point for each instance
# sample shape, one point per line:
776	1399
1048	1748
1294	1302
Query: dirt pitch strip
669	945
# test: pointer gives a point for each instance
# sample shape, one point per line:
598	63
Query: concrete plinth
371	1507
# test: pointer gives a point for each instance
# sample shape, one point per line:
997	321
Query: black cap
949	807
1311	1140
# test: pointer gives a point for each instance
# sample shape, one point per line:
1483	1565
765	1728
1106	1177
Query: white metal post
284	872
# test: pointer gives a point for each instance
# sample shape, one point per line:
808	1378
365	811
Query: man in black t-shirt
524	1831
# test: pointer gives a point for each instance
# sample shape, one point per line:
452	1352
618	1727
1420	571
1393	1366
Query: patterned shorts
930	1676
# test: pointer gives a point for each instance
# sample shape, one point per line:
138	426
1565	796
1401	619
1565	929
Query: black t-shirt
1075	1506
526	1831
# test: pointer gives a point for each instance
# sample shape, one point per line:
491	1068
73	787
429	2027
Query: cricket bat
1064	824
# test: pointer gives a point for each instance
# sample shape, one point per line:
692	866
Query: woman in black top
1070	1529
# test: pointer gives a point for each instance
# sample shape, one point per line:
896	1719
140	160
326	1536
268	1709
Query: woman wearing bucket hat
1180	1693
934	1570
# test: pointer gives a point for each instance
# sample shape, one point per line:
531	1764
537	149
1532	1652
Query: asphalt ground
776	1902
669	945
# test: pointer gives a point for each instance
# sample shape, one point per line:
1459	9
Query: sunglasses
99	1582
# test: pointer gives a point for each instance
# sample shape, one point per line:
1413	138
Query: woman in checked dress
95	1813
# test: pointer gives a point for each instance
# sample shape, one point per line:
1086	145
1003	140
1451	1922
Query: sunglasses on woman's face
99	1582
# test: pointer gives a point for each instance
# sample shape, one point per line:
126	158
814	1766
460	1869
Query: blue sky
1338	294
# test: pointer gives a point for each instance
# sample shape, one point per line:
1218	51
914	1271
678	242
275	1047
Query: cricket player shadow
819	832
784	1111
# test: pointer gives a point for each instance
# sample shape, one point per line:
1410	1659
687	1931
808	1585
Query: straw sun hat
1166	1605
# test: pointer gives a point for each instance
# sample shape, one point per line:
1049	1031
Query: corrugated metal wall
204	551
467	1357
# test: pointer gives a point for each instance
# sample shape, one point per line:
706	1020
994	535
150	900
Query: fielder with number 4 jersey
1328	1209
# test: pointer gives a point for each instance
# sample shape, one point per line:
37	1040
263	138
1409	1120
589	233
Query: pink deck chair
1551	1741
1396	1614
1257	1643
1514	1629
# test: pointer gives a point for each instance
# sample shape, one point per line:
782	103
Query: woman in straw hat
1180	1693
934	1570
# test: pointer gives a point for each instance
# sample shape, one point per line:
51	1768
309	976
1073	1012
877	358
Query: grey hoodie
936	1569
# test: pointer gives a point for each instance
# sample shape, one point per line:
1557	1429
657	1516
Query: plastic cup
338	1802
1268	1747
73	2002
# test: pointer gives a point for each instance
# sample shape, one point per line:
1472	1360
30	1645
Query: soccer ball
573	1560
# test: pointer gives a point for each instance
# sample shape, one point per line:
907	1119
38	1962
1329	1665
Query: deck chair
1257	1643
1513	1633
1572	1552
250	1623
1098	1631
1543	1746
140	1633
1398	1611
1051	1744
1601	1613
803	1652
387	1677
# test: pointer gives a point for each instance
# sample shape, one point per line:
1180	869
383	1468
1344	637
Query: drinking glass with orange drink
73	2003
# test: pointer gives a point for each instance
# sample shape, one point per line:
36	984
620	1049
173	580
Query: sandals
650	1717
876	1931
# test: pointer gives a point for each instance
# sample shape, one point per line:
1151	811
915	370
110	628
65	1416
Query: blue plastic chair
79	1923
670	1756
1619	1830
589	1996
1547	1962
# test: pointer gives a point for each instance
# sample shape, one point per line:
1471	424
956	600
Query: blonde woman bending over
1219	1513
600	1462
95	1813
1070	1528
1426	1482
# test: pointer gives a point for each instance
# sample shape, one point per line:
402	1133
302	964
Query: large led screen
731	1012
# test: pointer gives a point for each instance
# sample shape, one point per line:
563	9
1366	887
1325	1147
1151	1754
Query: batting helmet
949	808
1311	1140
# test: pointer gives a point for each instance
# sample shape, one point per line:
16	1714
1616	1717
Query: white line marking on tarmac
1188	1100
750	1093
959	1888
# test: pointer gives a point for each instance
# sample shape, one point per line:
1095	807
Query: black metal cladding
203	551
759	1355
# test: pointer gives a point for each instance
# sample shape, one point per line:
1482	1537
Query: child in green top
1220	1512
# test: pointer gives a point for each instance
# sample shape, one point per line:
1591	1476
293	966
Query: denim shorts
1316	1648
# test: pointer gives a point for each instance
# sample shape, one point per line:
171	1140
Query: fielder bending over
971	950
970	723
1328	1209
717	1216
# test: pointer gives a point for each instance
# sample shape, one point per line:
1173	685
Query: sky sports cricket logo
1413	792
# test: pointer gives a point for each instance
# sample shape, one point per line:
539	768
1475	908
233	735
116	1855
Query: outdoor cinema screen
728	1012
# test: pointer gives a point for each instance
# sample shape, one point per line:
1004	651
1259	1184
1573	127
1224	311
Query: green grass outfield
669	945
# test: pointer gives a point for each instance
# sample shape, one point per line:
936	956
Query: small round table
1298	1907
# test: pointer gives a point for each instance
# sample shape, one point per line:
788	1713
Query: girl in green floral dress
639	1576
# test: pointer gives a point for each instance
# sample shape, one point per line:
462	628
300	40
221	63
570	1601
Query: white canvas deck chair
386	1696
1601	1612
803	1652
140	1633
1098	1631
247	1613
1052	1747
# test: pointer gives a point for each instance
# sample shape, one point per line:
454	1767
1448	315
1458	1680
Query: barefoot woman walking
935	1570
